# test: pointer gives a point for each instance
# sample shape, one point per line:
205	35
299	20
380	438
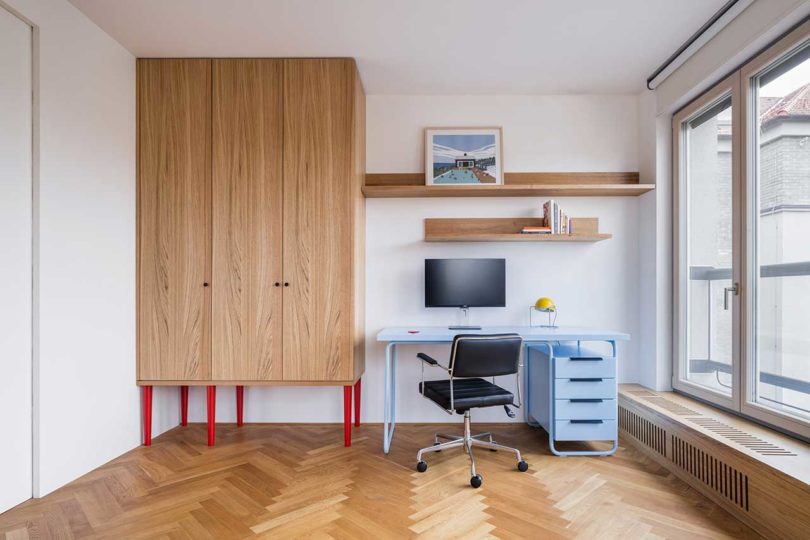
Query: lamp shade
545	304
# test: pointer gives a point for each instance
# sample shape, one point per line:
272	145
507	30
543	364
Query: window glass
781	254
708	144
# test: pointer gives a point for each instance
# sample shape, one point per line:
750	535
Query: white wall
593	284
16	186
86	402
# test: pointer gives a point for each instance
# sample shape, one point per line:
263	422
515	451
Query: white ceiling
425	46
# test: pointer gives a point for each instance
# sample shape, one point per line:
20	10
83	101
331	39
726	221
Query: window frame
749	72
745	151
730	86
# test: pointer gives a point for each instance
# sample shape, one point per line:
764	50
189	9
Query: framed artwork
463	156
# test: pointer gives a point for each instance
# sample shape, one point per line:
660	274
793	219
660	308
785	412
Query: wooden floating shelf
515	185
498	230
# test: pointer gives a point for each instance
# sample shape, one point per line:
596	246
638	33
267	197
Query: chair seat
467	394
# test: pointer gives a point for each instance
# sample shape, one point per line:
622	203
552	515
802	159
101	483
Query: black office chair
473	356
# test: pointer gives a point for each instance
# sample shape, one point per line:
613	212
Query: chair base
467	441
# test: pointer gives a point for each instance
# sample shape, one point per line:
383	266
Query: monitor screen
465	282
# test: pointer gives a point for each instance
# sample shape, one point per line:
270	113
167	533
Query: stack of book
532	229
555	219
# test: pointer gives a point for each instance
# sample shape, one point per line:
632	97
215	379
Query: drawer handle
586	358
586	400
587	421
585	380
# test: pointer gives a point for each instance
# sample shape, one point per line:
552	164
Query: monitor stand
466	326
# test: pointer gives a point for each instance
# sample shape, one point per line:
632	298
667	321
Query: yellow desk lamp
544	305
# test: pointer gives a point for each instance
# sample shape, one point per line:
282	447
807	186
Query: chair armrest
426	358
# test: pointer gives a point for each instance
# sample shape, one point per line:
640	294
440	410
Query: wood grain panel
572	178
318	200
247	219
516	178
758	475
359	227
509	190
174	189
497	230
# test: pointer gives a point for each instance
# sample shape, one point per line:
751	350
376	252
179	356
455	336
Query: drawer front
585	388
585	409
571	430
586	366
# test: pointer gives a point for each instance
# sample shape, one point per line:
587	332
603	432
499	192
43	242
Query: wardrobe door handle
276	284
205	284
286	284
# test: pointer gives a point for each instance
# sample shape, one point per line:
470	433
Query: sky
464	142
788	82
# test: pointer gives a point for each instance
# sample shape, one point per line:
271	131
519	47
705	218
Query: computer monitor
465	283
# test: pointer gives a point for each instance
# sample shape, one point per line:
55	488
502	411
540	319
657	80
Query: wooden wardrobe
250	223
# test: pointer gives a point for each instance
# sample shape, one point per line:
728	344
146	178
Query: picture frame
463	156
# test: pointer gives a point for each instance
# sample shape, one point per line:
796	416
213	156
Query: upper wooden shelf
515	185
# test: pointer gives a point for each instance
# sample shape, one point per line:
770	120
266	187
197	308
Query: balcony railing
710	274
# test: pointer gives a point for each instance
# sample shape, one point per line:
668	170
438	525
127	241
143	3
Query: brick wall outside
785	172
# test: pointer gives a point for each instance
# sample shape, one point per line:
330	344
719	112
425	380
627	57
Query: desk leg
527	384
389	416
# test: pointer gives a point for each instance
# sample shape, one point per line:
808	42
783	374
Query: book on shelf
532	229
555	218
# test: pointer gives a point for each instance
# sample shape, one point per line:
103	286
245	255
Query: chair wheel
523	466
421	466
476	481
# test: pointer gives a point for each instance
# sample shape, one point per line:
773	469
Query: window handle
735	289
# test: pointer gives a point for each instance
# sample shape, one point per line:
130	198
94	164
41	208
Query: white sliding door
15	260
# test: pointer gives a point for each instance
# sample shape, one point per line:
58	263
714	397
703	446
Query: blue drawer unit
572	393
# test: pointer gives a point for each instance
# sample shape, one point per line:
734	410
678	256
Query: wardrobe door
247	219
318	99
174	190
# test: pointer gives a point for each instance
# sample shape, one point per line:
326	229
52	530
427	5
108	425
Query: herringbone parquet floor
293	481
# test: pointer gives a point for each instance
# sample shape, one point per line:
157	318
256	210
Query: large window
742	207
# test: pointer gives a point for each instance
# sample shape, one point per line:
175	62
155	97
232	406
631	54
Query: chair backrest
485	355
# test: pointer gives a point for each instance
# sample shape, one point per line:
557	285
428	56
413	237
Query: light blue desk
550	339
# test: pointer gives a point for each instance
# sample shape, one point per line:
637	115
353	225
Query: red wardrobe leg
240	401
212	406
347	415
147	416
184	405
357	403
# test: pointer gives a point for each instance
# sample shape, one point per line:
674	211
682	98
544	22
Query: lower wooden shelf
498	230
